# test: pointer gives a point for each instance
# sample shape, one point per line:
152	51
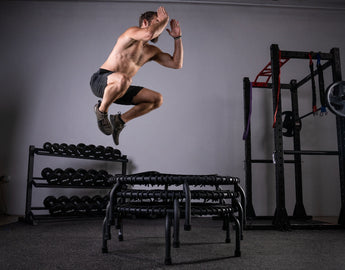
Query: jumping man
112	82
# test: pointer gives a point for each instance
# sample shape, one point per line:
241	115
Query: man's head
148	18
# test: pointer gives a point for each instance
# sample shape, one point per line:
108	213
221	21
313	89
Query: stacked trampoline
173	196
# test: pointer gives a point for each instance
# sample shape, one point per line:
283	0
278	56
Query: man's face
154	20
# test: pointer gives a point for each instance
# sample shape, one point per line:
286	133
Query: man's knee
158	100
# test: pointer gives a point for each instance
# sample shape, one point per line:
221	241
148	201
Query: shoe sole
112	121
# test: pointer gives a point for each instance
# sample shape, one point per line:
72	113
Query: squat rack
281	220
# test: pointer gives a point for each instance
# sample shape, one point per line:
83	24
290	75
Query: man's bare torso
128	55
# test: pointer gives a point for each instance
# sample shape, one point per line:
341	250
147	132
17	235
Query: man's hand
175	29
162	14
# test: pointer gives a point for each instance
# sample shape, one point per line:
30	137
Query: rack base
308	223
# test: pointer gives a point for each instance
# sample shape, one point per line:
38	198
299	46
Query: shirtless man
112	82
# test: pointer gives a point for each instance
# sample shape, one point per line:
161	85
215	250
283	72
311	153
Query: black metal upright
28	214
280	219
340	123
250	212
299	211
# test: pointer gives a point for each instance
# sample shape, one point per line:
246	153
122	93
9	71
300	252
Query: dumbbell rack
38	182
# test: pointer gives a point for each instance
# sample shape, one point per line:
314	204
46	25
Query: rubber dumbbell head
49	201
47	146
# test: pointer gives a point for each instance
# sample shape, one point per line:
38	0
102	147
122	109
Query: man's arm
151	31
165	59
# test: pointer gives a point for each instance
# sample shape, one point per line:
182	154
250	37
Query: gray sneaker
102	120
118	126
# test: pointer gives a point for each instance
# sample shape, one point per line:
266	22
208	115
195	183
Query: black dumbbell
77	204
54	178
77	179
98	204
89	150
75	200
93	205
72	150
99	151
108	152
55	147
47	172
47	146
67	207
82	174
99	179
63	199
64	179
82	209
106	176
86	201
56	209
70	171
49	201
103	172
81	148
62	150
87	180
116	153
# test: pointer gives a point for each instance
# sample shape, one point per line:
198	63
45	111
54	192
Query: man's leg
117	84
145	101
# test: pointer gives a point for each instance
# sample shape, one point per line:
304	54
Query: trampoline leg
105	237
106	226
120	227
224	224
227	229
167	239
176	242
238	237
243	203
112	201
187	221
240	216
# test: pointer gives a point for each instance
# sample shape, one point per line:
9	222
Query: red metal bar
267	72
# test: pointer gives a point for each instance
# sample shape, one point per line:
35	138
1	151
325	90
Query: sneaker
102	120
118	126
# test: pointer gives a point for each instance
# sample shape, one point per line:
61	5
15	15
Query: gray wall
49	51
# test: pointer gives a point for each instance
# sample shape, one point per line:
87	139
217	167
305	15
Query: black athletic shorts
98	83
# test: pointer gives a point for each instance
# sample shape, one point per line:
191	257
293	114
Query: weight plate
336	98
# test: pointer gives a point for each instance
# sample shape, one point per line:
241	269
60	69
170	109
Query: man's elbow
179	66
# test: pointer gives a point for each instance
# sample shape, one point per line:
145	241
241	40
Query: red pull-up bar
267	72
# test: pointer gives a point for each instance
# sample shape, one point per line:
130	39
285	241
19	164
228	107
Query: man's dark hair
148	15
